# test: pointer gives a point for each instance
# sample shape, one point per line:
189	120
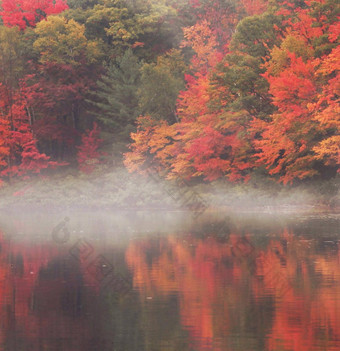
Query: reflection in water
237	292
41	300
284	296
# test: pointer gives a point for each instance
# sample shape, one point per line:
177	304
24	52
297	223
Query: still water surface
166	281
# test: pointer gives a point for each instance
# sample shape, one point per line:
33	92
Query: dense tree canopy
27	13
272	100
203	89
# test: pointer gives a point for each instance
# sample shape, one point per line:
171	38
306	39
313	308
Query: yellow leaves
202	40
9	36
328	117
165	143
133	161
125	22
64	42
94	51
330	63
329	150
11	60
326	110
152	137
161	137
280	55
118	31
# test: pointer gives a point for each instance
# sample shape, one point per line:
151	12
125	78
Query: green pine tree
241	70
115	103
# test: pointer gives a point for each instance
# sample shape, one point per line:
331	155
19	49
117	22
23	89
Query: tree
66	71
255	7
23	156
4	137
62	41
115	99
221	14
240	74
88	153
82	4
304	129
11	67
27	13
151	26
326	110
160	86
204	143
162	145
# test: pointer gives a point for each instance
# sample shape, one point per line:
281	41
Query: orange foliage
202	143
305	90
212	141
192	276
254	7
210	280
287	139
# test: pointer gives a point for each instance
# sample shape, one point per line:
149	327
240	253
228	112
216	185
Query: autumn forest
197	89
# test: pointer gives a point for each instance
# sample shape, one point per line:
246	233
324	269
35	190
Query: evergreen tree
241	71
115	101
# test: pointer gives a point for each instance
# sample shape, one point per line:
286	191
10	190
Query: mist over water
141	280
168	175
120	190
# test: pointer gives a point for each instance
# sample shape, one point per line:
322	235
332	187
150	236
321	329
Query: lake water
169	281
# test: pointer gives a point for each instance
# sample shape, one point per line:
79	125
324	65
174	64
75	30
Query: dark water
153	281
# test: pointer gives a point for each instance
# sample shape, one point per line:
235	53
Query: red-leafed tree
4	131
19	144
88	152
27	13
206	141
303	75
286	141
67	69
4	149
51	99
222	15
172	146
254	7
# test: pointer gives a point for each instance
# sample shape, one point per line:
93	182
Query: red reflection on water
192	268
219	292
308	318
34	311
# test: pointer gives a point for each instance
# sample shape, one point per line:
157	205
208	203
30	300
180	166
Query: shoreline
58	208
119	190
